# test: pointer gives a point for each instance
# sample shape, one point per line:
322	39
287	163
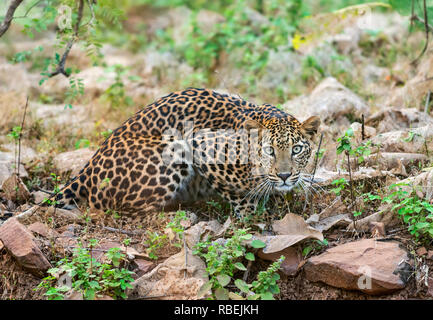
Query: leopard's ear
252	124
310	127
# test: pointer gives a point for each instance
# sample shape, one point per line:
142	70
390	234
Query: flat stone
21	245
72	161
143	266
292	260
42	229
371	266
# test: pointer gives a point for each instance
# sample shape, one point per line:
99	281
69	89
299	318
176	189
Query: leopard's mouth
286	186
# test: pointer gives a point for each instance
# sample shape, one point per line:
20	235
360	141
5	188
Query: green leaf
204	289
242	285
240	266
223	279
221	294
258	244
250	256
235	296
267	296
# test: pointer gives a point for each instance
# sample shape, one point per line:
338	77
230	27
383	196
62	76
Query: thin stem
9	16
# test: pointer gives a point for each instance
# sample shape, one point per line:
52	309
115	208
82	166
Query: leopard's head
284	150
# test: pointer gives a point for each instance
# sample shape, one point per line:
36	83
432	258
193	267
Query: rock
39	196
347	41
423	182
371	266
377	229
69	216
330	100
203	229
421	251
391	119
42	229
7	161
27	154
59	115
416	140
15	190
283	67
172	279
333	215
13	77
414	90
392	160
1	245
21	245
430	255
72	161
369	132
292	261
143	266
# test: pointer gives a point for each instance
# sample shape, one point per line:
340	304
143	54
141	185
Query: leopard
190	145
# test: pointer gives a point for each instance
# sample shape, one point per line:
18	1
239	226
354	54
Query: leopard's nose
284	176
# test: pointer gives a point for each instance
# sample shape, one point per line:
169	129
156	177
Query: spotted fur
133	173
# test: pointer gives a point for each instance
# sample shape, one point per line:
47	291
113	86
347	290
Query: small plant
417	213
340	185
410	136
154	242
116	93
313	246
82	143
362	151
224	260
88	276
177	228
56	190
344	142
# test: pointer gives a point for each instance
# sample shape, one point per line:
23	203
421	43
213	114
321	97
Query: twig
61	67
250	263
28	10
351	189
316	160
186	256
427	29
20	135
9	16
427	102
363	128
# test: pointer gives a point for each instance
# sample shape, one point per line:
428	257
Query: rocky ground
390	97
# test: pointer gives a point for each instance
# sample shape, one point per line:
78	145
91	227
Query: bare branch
61	67
427	28
9	16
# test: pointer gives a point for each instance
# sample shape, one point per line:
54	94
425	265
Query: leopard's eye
296	149
268	150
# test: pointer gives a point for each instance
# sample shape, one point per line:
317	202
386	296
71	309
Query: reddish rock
377	229
421	251
42	230
20	243
430	255
1	245
15	190
373	267
291	262
143	266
